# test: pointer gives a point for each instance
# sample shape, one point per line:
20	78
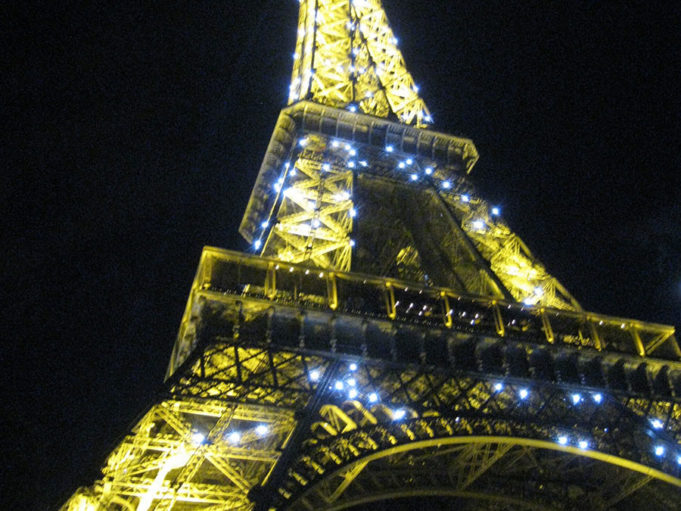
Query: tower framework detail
389	336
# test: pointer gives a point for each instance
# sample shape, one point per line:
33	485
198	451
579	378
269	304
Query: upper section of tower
347	57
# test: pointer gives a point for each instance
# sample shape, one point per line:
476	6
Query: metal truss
347	56
448	363
509	258
314	210
274	408
186	453
418	415
376	430
334	184
372	410
478	476
609	351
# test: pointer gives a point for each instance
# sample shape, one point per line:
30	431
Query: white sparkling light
316	222
352	394
656	423
465	198
495	211
353	367
429	171
659	450
478	225
583	444
339	385
352	382
373	397
265	224
353	212
598	397
363	163
303	142
498	386
401	165
352	152
234	437
198	438
257	244
351	164
399	414
389	149
562	440
409	161
326	167
352	243
261	430
314	375
414	177
576	398
446	185
523	393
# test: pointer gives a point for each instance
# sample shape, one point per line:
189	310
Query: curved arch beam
515	441
437	492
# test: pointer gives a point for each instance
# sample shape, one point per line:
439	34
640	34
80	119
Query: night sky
136	130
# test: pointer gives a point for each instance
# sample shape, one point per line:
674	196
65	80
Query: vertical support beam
331	291
498	320
390	301
548	331
263	496
598	344
638	344
448	310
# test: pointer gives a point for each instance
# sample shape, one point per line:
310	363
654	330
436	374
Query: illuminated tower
390	336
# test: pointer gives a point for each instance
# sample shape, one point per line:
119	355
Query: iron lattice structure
391	337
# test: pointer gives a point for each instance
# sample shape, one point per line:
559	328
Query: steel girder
307	387
274	406
373	409
328	176
347	56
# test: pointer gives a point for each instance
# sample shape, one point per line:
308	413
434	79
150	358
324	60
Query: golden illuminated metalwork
347	56
390	336
314	217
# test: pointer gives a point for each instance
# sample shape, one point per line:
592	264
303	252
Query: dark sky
136	130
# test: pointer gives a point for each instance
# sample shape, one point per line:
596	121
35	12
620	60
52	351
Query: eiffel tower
389	336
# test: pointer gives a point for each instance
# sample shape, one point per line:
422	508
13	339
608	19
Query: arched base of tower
491	475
